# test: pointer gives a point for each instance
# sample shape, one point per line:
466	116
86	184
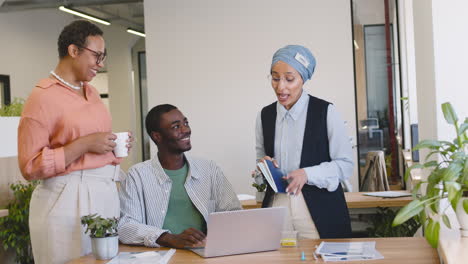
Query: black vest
328	209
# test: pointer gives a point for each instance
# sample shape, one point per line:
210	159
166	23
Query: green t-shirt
181	212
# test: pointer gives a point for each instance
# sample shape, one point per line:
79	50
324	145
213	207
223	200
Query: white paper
244	197
148	257
388	194
348	251
266	173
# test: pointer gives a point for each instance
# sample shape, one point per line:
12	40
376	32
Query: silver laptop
243	231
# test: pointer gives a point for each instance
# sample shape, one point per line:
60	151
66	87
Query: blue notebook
273	176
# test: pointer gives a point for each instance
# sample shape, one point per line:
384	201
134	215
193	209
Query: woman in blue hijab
305	137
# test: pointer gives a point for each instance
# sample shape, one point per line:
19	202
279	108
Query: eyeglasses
100	56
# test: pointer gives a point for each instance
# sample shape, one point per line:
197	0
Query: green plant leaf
456	199
449	113
414	166
422	217
98	226
431	144
458	156
415	190
463	128
410	210
453	188
452	172
13	109
381	225
430	154
436	176
465	173
431	163
465	205
435	207
432	233
14	227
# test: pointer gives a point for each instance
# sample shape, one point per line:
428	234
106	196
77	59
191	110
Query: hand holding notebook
273	176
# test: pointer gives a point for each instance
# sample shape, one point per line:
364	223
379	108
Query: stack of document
347	251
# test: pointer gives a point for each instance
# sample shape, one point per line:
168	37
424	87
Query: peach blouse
53	116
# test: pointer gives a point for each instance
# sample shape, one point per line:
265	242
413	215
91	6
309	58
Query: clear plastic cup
289	238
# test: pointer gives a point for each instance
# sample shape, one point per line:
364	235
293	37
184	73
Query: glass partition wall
377	76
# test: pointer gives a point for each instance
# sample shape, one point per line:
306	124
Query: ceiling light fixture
83	15
138	33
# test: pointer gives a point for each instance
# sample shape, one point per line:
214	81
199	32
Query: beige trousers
298	217
57	205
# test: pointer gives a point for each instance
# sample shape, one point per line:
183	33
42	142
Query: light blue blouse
289	136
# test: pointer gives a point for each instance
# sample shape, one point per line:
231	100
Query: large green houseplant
14	228
448	179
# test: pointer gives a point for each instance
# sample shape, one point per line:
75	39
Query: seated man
166	201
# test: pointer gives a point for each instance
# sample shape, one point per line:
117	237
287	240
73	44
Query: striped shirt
145	193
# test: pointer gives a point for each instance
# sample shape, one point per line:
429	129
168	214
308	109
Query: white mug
121	150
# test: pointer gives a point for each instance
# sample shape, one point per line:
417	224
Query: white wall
211	59
425	71
369	12
442	62
29	46
137	147
408	68
121	92
450	24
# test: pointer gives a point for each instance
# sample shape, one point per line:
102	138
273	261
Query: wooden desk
354	200
251	204
359	200
454	251
414	250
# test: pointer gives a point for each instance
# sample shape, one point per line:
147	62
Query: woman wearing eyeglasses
305	137
65	140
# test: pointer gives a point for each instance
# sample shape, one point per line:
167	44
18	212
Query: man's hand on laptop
191	237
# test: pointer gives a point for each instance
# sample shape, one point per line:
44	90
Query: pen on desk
334	258
345	254
303	256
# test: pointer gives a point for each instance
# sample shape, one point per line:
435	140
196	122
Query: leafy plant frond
14	228
382	225
98	226
448	179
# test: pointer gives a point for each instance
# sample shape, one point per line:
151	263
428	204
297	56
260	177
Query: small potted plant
259	184
448	180
103	233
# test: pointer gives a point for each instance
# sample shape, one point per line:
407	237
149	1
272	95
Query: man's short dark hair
76	33
153	118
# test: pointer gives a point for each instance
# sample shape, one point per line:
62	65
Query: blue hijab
298	57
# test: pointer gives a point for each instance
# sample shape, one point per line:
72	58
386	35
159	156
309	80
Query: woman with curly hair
65	140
